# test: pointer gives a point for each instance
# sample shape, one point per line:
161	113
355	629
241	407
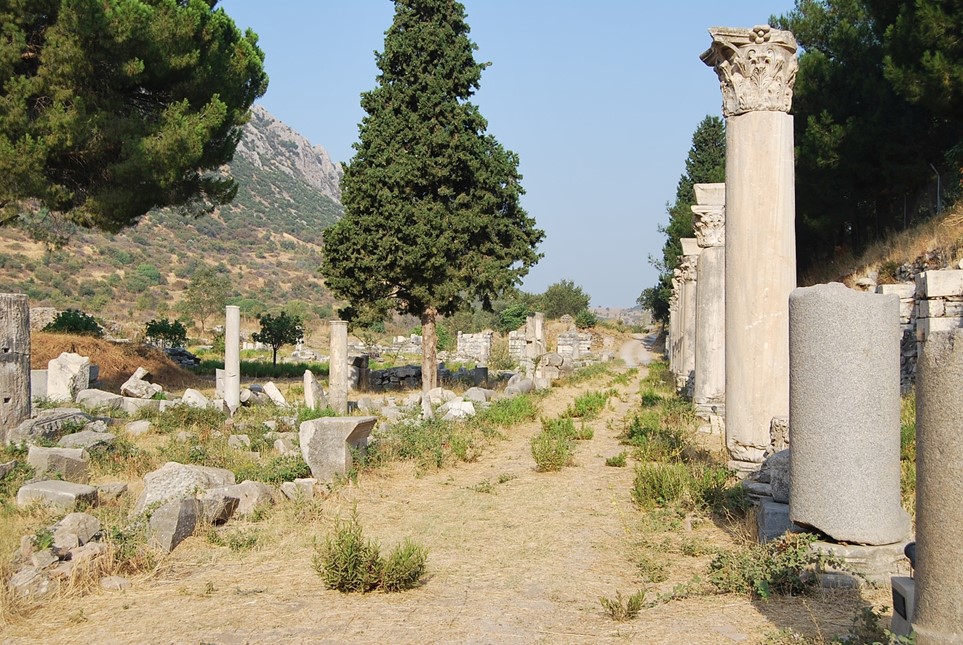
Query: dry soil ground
515	556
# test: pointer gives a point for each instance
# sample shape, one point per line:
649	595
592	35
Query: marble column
757	69
688	268
709	388
232	358
939	489
15	364
675	314
338	367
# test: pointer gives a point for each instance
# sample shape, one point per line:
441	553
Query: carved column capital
687	268
710	224
756	68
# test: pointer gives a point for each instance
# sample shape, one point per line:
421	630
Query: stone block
314	398
845	414
275	394
863	563
772	520
932	308
327	443
31	583
138	387
46	425
71	464
67	375
174	522
904	290
927	326
219	505
251	495
132	405
38	384
239	442
86	439
938	284
194	399
137	428
66	495
301	488
174	481
778	465
904	605
75	529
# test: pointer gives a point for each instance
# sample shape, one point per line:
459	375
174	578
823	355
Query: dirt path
525	563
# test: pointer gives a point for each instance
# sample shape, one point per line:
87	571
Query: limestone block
110	492
772	520
932	308
219	505
478	395
132	405
905	290
194	399
85	553
57	493
71	464
251	495
38	384
175	481
174	522
138	428
314	398
458	409
286	442
239	442
778	464
927	326
874	563
275	394
904	605
32	583
845	414
46	425
75	529
87	439
939	488
301	488
440	395
939	284
327	443
67	375
137	386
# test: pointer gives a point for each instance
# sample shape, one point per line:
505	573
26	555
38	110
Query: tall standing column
939	487
338	366
757	69
709	388
232	358
675	315
14	361
688	267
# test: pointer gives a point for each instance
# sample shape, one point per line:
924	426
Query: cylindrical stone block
710	347
939	491
844	414
14	361
232	357
338	367
760	274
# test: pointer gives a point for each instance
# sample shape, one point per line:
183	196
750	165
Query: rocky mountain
267	242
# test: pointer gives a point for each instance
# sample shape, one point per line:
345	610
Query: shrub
585	319
653	440
166	333
346	561
506	413
588	405
785	566
616	461
74	321
552	451
622	609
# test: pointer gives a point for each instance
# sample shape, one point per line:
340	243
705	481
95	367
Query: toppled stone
521	386
478	395
57	493
275	394
286	443
133	405
219	505
86	552
251	495
239	442
86	439
458	409
7	468
778	464
327	443
71	464
138	428
75	529
137	386
43	559
110	492
194	399
440	395
173	522
114	583
174	481
67	375
300	488
31	583
314	397
46	425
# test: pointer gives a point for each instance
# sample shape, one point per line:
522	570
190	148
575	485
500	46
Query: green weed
622	609
616	461
786	566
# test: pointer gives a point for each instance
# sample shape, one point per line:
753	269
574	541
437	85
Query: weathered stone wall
574	344
475	346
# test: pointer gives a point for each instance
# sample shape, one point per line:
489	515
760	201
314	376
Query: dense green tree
704	164
166	333
279	330
206	295
432	216
111	108
864	152
564	298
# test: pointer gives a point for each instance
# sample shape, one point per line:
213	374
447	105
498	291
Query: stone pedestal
756	69
709	386
67	375
327	444
15	366
338	367
845	414
232	358
939	489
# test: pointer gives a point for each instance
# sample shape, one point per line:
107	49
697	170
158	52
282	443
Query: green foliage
349	563
588	405
166	333
429	443
433	220
264	369
206	295
552	451
513	316
653	439
585	319
114	108
564	298
74	321
622	609
785	566
506	413
277	331
616	461
705	163
282	468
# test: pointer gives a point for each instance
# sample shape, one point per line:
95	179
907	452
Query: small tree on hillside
432	216
166	333
279	330
206	295
564	297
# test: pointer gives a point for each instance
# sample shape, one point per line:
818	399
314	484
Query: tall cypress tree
432	215
705	164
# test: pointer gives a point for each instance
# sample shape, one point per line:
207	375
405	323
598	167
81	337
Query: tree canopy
277	331
564	298
111	108
433	219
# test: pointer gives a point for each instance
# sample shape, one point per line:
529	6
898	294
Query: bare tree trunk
429	350
14	361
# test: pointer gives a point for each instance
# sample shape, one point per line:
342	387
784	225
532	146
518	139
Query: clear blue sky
599	100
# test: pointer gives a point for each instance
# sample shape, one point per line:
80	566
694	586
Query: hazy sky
599	99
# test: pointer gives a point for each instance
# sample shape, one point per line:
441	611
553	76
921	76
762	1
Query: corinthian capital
710	224
687	268
756	68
